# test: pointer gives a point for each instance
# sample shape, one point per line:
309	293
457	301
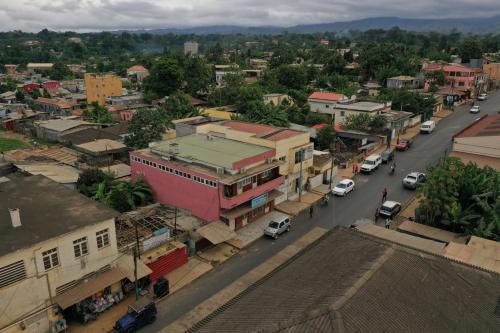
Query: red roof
452	68
337	127
327	96
284	134
136	68
248	127
486	126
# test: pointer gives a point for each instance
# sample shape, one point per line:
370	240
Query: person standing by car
377	214
384	194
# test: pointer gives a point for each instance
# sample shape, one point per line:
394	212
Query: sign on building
259	201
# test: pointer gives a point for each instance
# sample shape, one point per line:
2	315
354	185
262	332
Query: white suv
371	163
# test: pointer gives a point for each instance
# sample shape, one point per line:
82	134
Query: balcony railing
238	199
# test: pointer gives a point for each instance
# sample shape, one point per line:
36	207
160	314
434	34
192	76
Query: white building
57	247
324	102
190	48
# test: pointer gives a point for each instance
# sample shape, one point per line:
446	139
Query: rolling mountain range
464	25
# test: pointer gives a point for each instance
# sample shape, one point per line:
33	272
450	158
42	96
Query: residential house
352	281
76	69
291	146
372	88
223	70
10	69
137	73
85	135
52	87
29	87
190	48
132	99
491	72
74	86
403	81
223	112
99	87
324	102
277	99
63	174
398	121
53	129
56	107
461	81
8	97
479	142
213	177
101	152
341	111
33	68
258	63
58	248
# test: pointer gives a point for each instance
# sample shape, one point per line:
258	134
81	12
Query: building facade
213	177
403	81
190	48
324	102
52	243
99	87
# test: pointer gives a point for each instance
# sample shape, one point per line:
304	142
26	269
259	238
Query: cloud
96	15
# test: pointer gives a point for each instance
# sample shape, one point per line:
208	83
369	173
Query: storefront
242	215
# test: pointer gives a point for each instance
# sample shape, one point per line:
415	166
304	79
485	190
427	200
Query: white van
371	163
427	127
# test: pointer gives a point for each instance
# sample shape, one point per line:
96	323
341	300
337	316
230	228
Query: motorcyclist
393	168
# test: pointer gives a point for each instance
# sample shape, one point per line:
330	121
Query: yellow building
56	245
293	147
492	74
99	87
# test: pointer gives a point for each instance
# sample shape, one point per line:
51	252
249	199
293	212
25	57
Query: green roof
210	150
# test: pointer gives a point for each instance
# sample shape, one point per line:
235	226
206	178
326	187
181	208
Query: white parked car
427	127
390	208
412	180
482	97
474	109
343	187
371	163
278	226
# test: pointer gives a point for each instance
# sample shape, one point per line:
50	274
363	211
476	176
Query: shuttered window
12	273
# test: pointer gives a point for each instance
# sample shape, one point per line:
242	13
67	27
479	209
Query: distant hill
464	25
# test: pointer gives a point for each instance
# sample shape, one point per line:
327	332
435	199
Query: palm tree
126	196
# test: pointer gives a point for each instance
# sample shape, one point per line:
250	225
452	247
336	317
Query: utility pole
175	223
300	177
137	255
331	171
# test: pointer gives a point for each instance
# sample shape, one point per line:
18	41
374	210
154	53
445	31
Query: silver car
412	180
277	227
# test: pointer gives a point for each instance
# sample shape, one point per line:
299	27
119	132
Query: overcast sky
95	15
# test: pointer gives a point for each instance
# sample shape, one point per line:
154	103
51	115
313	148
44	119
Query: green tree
471	48
126	196
89	180
197	75
326	137
20	96
269	114
60	72
165	78
177	106
292	77
147	125
98	114
282	56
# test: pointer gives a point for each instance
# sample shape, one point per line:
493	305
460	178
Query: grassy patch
11	144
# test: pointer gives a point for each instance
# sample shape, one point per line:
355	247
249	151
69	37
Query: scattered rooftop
403	78
101	145
327	96
61	125
47	210
262	131
63	174
362	106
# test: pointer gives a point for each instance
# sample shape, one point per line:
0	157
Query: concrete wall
322	106
202	200
33	293
341	114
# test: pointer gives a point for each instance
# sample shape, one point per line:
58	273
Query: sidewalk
253	231
295	207
179	278
231	291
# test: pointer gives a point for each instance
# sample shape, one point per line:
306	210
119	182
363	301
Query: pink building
213	177
460	80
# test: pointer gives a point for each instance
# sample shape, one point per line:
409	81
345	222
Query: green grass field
11	144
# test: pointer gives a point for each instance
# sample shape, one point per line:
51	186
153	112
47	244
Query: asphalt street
426	150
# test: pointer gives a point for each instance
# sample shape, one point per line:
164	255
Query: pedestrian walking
311	211
384	194
377	214
388	223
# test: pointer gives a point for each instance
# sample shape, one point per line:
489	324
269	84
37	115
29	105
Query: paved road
361	203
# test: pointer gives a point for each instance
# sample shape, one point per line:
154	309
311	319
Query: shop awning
89	287
216	232
126	264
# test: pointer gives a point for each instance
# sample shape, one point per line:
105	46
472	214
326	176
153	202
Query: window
327	106
102	238
80	247
282	158
461	84
50	259
267	173
342	113
299	156
12	273
246	181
